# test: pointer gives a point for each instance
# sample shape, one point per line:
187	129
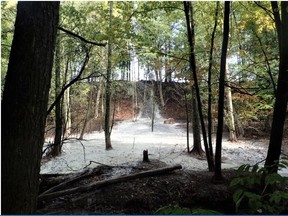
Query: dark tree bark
280	106
218	172
197	149
209	80
187	119
56	148
107	120
24	104
191	39
145	156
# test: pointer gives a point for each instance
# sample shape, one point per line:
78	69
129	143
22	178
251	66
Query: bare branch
81	38
69	84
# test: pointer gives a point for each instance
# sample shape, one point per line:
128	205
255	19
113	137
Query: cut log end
145	156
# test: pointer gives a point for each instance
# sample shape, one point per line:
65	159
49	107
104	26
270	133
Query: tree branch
152	9
98	184
81	38
69	84
265	9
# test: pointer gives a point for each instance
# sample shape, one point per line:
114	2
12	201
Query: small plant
260	192
177	210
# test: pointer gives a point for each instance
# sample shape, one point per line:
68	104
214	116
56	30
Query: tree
280	106
107	123
24	104
195	112
230	110
218	172
197	149
209	114
192	61
56	148
88	112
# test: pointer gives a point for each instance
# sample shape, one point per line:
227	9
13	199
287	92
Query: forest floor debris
192	189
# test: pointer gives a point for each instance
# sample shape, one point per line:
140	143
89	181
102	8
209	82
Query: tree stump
145	156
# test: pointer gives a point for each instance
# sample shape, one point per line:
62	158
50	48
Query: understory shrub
259	192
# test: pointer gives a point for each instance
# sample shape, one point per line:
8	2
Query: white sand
167	143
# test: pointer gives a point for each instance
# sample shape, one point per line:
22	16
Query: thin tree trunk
152	98
158	74
24	104
161	92
218	171
187	120
134	100
68	113
56	148
197	149
209	81
87	113
108	88
191	39
231	122
280	106
66	105
98	97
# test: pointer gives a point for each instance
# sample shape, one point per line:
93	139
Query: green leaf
236	181
204	211
237	195
251	195
273	179
255	168
242	168
175	210
251	180
278	196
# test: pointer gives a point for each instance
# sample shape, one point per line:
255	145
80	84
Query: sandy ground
167	143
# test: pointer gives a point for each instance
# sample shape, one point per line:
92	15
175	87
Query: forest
144	107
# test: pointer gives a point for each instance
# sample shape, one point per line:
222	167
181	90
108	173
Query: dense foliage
153	34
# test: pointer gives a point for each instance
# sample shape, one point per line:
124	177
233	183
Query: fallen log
106	182
82	175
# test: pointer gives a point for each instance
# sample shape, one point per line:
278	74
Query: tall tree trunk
98	97
191	39
87	113
67	106
231	122
280	106
107	122
159	81
134	100
209	81
56	148
168	71
218	171
187	119
197	149
24	104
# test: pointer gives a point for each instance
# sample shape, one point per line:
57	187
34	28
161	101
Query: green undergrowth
259	192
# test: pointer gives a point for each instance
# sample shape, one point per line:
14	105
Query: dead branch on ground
106	182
